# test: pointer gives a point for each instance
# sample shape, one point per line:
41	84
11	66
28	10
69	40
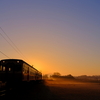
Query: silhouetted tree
45	76
56	74
69	76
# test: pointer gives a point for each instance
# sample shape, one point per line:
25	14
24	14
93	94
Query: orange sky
54	36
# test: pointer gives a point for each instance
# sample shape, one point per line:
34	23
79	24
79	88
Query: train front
10	71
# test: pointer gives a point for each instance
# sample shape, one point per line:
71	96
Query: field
74	90
57	89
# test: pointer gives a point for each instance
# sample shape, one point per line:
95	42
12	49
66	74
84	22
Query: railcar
17	70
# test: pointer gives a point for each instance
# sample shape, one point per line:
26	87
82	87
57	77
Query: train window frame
17	68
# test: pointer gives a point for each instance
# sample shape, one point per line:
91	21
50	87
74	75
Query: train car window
23	71
4	68
26	71
10	66
0	68
9	69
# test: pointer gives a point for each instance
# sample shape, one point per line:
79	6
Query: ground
57	89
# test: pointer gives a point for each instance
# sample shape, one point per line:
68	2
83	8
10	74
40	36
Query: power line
4	54
9	43
11	40
12	45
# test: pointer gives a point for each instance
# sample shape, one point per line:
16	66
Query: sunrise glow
53	36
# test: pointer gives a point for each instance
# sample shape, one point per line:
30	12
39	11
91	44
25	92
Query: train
17	70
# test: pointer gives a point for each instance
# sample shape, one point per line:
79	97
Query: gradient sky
53	35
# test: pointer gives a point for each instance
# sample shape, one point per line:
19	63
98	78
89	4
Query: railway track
2	93
4	90
5	93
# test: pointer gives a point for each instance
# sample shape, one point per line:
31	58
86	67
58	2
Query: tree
45	76
56	74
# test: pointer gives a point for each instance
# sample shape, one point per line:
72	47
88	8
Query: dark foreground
56	90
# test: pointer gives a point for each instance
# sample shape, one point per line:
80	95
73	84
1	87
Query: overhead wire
4	54
9	43
12	44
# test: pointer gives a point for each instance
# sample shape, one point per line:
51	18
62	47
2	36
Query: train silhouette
16	71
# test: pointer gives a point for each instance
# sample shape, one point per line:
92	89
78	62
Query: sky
52	35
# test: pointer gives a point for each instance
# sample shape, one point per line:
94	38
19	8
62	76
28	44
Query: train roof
14	60
19	60
11	59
